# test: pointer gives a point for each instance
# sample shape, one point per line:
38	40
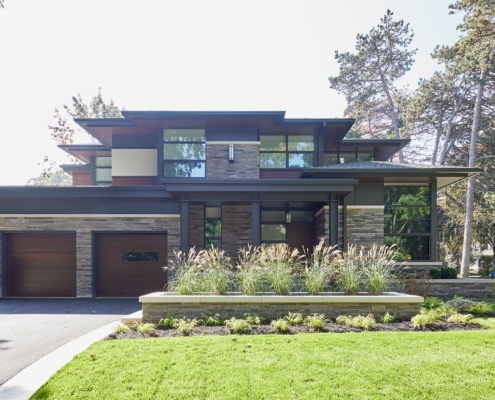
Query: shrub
377	266
189	276
435	274
250	273
280	264
170	322
448	273
254	319
295	318
146	328
216	320
387	318
319	267
217	270
349	272
412	282
315	322
281	325
122	328
424	318
186	326
367	323
482	308
460	318
432	302
238	326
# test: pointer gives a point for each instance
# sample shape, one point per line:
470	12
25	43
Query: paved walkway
31	329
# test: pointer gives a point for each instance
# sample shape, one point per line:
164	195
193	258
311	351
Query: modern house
160	182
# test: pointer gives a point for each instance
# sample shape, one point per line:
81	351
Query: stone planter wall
159	305
448	288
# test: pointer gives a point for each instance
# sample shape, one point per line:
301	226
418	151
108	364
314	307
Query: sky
218	55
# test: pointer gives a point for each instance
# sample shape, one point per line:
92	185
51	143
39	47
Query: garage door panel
120	278
42	264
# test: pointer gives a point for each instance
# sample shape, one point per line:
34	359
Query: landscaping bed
404	326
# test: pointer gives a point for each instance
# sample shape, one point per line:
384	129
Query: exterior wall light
288	217
231	153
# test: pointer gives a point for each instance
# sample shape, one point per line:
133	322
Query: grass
379	365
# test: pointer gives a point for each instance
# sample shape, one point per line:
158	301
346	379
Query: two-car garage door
44	264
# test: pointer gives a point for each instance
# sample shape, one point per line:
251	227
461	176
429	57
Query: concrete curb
23	385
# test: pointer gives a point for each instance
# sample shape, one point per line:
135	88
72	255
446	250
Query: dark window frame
288	152
163	161
96	168
340	151
208	239
412	234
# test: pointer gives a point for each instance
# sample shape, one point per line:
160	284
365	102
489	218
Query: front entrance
300	235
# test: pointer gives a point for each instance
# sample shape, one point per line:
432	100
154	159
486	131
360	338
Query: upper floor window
342	156
103	170
184	153
291	151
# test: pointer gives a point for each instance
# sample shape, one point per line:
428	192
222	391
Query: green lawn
369	365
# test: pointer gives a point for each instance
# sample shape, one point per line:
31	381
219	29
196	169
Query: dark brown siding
135	181
42	265
81	179
301	236
117	278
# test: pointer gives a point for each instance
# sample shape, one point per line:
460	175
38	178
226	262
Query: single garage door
130	264
42	265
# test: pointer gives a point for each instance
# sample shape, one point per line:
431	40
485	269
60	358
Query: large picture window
281	151
184	153
408	220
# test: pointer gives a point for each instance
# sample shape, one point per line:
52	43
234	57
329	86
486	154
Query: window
103	170
143	256
408	220
341	157
184	153
292	151
213	227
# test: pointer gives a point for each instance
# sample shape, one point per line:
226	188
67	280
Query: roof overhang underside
301	189
444	176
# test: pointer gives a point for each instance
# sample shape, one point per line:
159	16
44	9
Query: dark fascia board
262	185
460	173
396	144
88	123
83	192
208	115
76	167
72	149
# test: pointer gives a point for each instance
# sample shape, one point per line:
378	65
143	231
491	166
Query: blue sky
184	55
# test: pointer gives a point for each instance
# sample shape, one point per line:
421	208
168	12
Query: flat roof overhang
443	176
71	168
277	188
84	192
85	152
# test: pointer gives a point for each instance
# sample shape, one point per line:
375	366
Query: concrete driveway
33	328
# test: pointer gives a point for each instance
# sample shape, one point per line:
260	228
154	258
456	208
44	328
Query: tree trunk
437	145
448	134
393	112
468	226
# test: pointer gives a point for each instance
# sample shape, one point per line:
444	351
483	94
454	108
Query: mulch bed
267	330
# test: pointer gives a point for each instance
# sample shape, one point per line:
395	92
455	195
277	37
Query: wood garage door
42	265
130	265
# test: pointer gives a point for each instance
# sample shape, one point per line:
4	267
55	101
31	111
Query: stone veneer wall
197	226
365	225
449	288
236	227
246	160
84	226
153	312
